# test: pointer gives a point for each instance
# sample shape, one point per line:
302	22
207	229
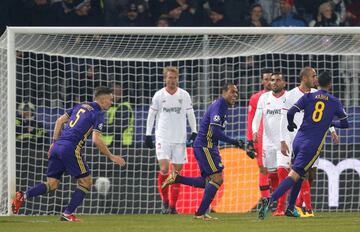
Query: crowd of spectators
164	13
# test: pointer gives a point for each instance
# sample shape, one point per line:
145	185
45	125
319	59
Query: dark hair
102	91
279	74
225	86
324	79
265	70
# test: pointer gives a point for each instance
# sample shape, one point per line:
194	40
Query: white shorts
273	158
175	152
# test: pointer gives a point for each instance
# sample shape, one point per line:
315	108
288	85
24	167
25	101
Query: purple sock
284	186
210	191
76	199
198	182
294	194
37	190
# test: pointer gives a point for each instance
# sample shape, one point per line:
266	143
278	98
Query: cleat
17	202
301	211
170	180
265	204
278	213
165	209
310	213
69	218
292	213
173	211
205	217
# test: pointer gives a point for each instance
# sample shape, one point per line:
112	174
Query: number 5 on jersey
318	112
72	123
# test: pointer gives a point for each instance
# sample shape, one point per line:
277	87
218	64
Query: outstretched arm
105	150
220	135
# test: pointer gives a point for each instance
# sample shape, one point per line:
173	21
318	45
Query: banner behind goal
48	70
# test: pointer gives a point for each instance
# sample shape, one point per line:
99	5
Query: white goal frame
11	63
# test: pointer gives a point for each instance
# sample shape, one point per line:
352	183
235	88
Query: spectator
135	16
39	13
256	17
353	14
29	132
326	17
271	9
157	8
217	14
288	18
340	9
119	124
180	13
162	22
236	12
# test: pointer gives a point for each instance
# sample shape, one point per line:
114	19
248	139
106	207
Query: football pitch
327	222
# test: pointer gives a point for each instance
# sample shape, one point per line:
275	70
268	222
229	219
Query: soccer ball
102	185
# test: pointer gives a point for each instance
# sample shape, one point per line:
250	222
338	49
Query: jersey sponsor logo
172	109
216	118
273	112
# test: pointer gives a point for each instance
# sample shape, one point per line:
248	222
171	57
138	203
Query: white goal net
51	69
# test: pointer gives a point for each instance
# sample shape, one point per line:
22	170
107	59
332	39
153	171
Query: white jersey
269	107
171	115
291	97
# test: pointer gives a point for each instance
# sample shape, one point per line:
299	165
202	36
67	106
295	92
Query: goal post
58	66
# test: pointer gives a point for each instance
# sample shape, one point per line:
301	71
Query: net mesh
55	71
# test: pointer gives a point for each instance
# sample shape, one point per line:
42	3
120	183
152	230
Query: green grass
342	222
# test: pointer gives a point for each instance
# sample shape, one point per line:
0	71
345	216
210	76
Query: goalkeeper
206	151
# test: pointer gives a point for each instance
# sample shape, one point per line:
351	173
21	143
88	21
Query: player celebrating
170	106
257	147
65	152
307	78
206	151
269	108
320	108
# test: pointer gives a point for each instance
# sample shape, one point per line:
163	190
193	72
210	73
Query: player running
320	108
207	153
65	152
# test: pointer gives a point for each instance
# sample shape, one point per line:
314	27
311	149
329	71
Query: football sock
198	182
274	180
306	194
174	190
282	174
282	188
210	191
299	200
37	190
264	185
76	199
164	193
294	193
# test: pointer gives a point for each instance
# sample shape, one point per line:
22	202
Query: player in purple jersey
319	108
65	151
211	131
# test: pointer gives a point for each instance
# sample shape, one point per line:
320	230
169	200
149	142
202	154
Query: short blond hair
171	69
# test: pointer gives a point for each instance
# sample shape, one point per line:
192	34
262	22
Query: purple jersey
83	119
320	108
65	155
215	115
